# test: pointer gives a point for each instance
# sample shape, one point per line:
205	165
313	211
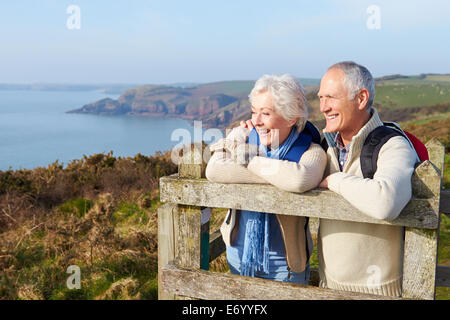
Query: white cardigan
298	177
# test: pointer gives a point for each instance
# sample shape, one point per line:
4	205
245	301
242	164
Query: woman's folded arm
224	169
290	176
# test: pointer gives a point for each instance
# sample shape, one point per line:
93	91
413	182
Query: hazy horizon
174	83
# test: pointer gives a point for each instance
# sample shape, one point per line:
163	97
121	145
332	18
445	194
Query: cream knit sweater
226	167
367	257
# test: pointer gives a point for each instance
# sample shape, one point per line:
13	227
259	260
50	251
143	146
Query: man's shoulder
386	146
398	153
400	145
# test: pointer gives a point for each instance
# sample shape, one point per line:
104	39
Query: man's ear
363	98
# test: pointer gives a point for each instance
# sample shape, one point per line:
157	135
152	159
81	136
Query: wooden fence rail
185	246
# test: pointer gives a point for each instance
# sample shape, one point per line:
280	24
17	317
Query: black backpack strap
324	144
371	148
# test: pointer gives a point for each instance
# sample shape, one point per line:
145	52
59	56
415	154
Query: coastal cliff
209	104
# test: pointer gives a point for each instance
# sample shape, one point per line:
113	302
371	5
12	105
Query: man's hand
324	183
247	125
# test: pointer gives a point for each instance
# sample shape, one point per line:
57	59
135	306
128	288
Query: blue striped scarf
255	256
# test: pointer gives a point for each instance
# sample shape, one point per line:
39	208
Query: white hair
357	77
288	96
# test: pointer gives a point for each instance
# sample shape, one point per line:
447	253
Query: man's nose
324	107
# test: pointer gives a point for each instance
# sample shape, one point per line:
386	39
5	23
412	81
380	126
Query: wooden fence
185	246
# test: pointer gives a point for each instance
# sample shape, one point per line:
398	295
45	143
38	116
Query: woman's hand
247	125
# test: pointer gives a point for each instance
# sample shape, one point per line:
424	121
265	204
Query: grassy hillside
232	88
392	94
429	128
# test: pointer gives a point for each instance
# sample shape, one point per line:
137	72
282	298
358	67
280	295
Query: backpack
375	141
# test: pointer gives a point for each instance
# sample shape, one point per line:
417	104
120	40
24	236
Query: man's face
340	112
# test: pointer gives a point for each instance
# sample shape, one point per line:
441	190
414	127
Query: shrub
79	207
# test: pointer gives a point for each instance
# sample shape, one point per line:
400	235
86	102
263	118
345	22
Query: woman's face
272	128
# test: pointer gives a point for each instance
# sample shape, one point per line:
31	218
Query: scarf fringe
255	257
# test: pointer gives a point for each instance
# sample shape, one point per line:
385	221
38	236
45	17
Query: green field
233	88
241	87
395	95
438	78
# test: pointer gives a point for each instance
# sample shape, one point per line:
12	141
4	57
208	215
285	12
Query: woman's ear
292	122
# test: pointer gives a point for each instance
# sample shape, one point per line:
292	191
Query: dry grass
99	213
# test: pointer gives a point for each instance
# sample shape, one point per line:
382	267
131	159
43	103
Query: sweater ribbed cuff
392	288
334	181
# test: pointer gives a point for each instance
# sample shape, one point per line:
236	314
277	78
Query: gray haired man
354	256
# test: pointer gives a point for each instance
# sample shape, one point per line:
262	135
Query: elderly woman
281	148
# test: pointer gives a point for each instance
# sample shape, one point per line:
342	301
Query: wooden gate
185	247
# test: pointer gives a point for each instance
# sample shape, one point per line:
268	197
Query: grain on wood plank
188	236
419	264
206	285
421	246
166	243
192	164
436	153
426	182
258	197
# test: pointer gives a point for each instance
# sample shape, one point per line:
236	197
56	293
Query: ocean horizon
35	129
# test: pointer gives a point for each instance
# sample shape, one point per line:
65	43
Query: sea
35	130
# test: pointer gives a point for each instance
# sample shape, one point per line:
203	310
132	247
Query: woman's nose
257	119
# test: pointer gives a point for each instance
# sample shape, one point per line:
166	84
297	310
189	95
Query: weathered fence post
421	245
166	243
193	221
183	231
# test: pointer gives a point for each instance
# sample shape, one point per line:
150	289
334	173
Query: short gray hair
288	96
357	77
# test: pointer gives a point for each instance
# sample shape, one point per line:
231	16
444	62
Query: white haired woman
282	148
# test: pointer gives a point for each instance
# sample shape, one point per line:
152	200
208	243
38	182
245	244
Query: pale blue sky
137	41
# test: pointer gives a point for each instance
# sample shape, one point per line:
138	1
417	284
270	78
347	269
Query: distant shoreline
101	88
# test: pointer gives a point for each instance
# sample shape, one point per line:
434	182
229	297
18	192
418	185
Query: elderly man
353	256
